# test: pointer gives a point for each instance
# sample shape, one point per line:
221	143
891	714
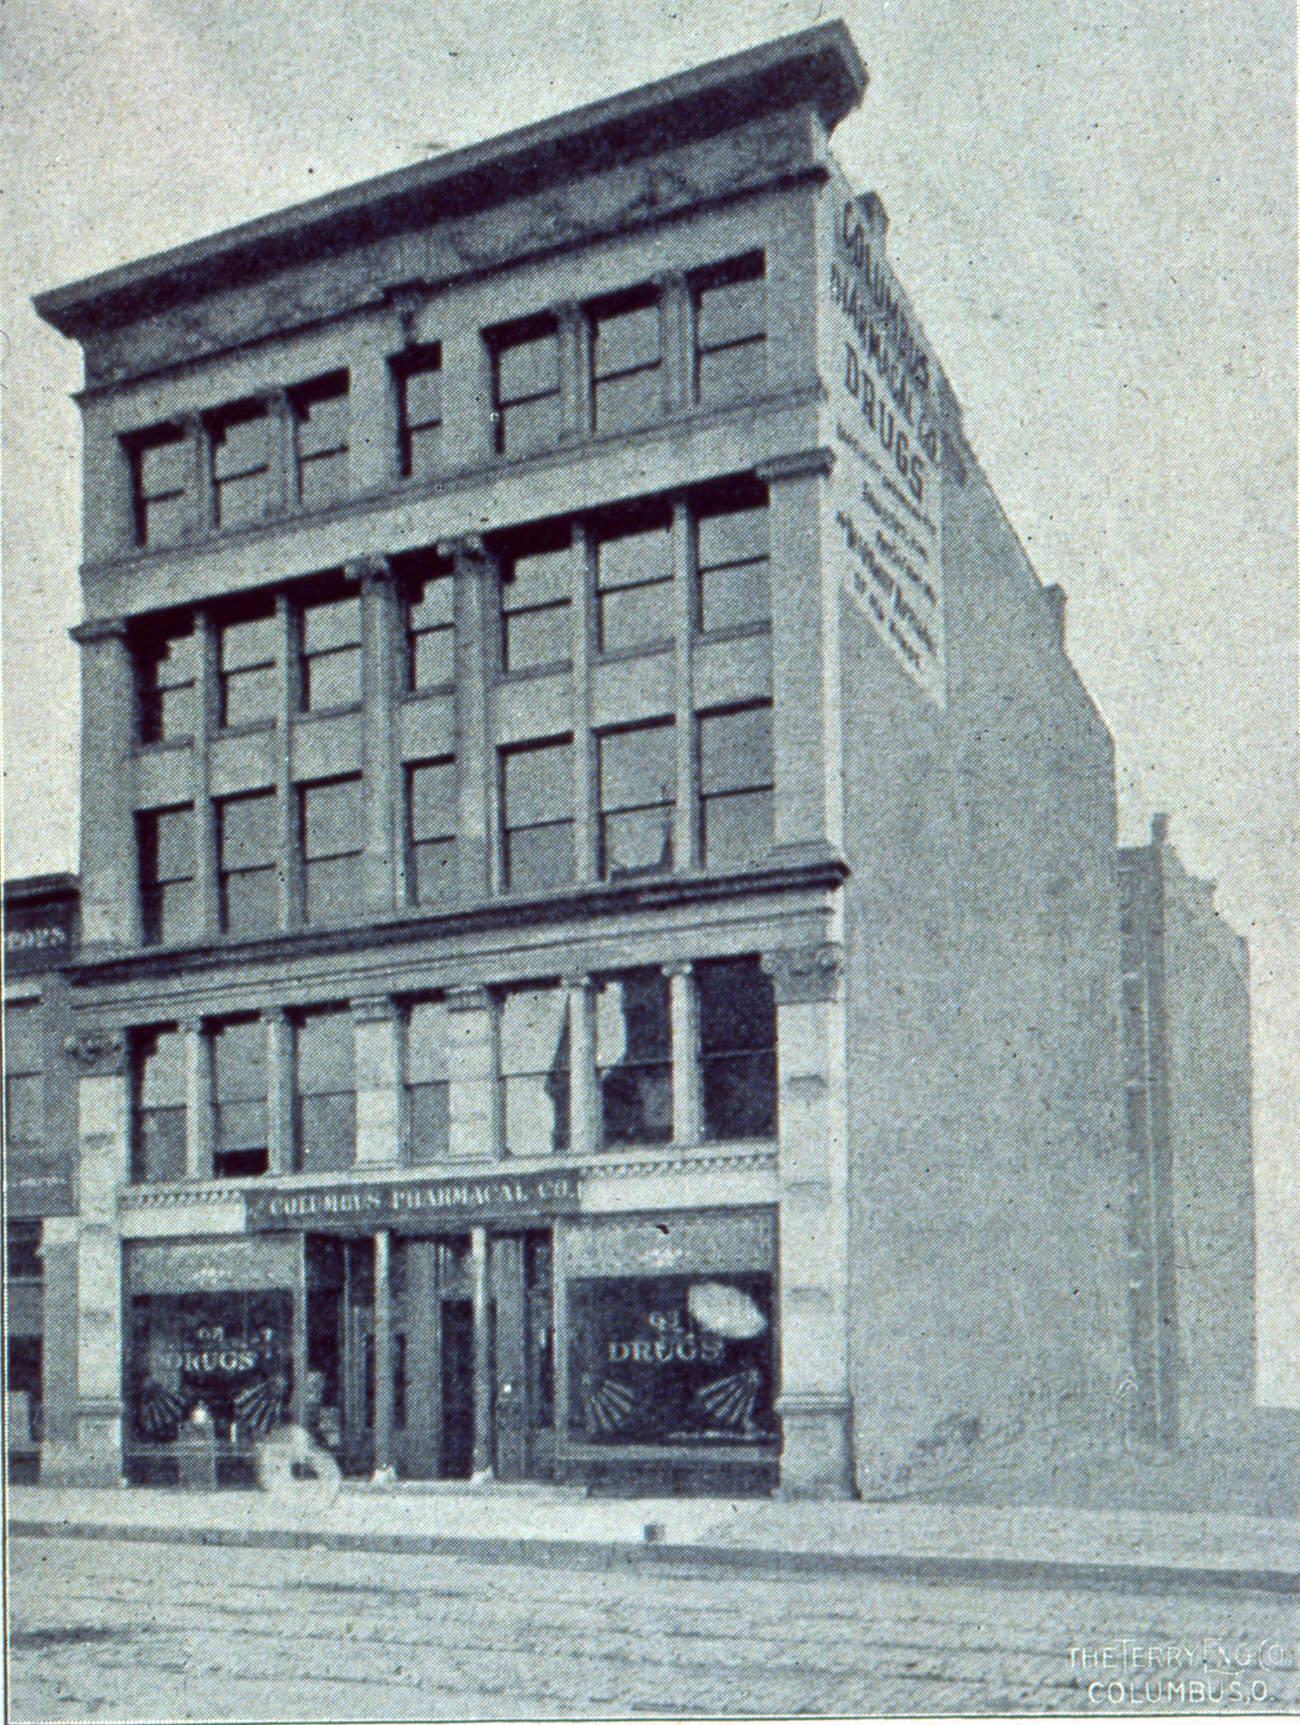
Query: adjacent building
599	956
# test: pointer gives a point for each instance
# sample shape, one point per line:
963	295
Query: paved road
138	1631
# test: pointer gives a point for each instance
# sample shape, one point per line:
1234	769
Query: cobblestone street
109	1630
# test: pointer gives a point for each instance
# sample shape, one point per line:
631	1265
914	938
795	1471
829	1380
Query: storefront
523	1340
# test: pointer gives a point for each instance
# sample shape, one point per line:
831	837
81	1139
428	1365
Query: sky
1093	212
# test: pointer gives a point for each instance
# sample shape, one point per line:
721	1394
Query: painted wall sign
884	500
37	937
397	1203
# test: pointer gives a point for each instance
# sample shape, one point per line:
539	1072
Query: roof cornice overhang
818	68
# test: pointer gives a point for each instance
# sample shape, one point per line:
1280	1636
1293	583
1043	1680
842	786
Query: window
246	659
536	591
326	1091
526	386
167	667
159	469
638	775
241	443
320	414
417	377
534	1043
737	1048
634	1058
731	559
23	1262
331	653
427	1091
537	816
333	846
429	598
239	1086
736	779
626	361
634	582
431	805
730	330
248	849
158	1148
166	853
24	1063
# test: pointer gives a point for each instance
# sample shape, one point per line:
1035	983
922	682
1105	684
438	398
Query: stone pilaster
380	774
279	1091
206	876
110	893
473	1101
372	411
674	340
60	1252
584	1099
198	1101
467	397
812	1164
575	373
473	599
379	1082
684	1011
686	817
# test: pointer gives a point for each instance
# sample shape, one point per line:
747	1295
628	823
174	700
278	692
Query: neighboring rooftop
820	67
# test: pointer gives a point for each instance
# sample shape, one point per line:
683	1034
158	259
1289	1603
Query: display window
671	1361
219	1361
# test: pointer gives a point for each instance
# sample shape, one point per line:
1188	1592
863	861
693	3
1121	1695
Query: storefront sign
884	500
429	1203
37	937
38	1188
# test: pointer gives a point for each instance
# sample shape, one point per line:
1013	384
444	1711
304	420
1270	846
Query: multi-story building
598	874
40	1135
1191	1198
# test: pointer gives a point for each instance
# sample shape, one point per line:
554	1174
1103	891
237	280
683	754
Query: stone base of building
817	1448
95	1459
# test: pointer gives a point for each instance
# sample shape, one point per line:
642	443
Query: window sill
165	746
256	728
733	632
433	691
621	655
308	713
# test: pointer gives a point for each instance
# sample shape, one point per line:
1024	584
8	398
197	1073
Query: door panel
456	1449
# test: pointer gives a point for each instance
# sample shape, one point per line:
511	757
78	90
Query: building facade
598	876
40	1137
1191	1201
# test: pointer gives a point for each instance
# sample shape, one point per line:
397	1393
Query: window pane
249	697
733	372
632	617
161	1069
240	1126
160	1144
737	827
173	837
333	890
737	1006
167	715
24	1108
529	425
433	800
433	658
637	841
239	1061
434	864
538	783
633	399
624	340
539	859
323	480
332	680
322	419
250	903
239	445
537	577
537	1114
535	638
331	623
422	397
331	817
739	536
162	464
248	830
163	519
638	766
732	597
426	1043
730	312
241	501
430	1119
327	1132
632	1020
739	1095
432	602
534	1030
170	913
528	368
632	558
326	1053
736	750
251	641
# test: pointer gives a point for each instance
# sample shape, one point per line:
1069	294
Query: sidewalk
551	1524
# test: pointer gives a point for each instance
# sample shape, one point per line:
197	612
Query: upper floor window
634	580
158	1073
730	330
737	1048
167	666
333	844
634	1058
731	558
159	474
166	853
247	855
248	681
736	783
427	1086
24	1068
23	1260
320	415
417	378
537	795
638	776
429	602
534	1068
536	590
331	653
239	1095
526	396
326	1090
626	361
431	814
241	445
